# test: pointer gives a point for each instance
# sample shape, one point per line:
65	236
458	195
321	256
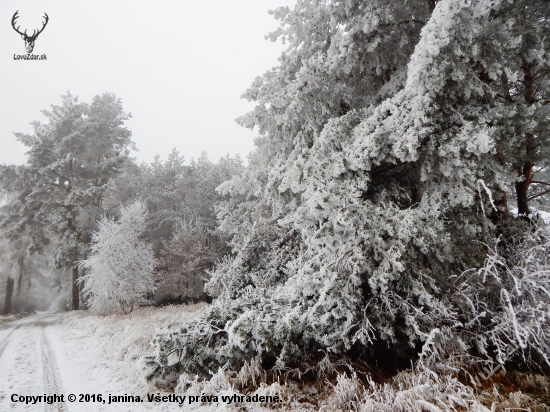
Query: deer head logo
29	40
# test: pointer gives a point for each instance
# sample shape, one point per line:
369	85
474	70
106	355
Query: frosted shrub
507	301
120	268
420	390
347	392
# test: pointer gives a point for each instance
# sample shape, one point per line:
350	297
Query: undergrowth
338	384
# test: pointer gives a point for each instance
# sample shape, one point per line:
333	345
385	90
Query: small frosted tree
120	269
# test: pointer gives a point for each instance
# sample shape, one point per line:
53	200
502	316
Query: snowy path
51	374
38	356
27	364
6	338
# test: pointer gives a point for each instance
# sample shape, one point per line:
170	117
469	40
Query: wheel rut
6	339
50	374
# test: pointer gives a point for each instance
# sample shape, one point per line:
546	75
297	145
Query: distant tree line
78	172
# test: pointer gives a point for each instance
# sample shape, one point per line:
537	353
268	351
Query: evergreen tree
71	159
391	136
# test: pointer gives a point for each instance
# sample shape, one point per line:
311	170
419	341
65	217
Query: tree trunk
9	293
71	223
20	263
75	288
81	287
502	205
526	170
521	191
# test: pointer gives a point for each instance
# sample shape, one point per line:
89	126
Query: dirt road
28	365
41	356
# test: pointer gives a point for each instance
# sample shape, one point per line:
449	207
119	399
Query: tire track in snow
51	375
6	340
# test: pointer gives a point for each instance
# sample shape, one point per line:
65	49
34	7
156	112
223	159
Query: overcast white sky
178	66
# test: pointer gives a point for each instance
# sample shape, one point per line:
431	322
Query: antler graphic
15	16
29	40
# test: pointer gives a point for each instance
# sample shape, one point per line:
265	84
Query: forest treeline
79	173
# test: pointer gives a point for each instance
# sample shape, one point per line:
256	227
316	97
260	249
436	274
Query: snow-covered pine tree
71	159
391	137
120	269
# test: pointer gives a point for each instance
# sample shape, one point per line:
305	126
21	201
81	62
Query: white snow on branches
121	266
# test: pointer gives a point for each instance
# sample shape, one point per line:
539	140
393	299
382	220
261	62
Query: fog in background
178	66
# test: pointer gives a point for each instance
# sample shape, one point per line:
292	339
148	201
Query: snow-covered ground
79	353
